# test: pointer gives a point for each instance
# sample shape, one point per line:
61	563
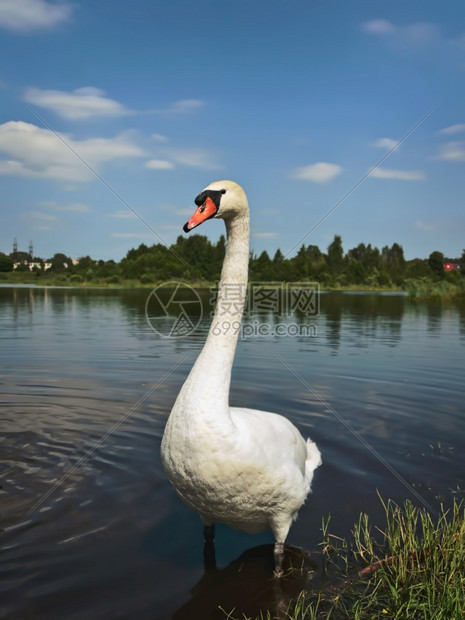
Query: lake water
92	529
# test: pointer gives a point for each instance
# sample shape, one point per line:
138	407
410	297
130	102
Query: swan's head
221	199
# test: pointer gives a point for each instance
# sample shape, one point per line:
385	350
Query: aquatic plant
426	289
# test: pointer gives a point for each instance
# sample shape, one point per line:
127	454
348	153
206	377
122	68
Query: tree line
197	259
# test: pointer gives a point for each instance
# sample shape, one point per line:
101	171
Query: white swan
249	469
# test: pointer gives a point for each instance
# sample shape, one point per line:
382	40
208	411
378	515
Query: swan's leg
209	533
280	526
278	559
209	557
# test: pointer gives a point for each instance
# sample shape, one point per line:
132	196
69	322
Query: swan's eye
223	191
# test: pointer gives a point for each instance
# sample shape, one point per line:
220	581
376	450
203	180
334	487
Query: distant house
39	265
452	267
34	265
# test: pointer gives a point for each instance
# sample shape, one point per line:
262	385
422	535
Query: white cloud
75	207
378	26
321	172
265	235
38	153
196	157
453	129
133	235
27	15
452	151
39	221
402	175
187	212
124	214
459	42
415	35
79	104
159	164
40	216
169	227
386	143
159	137
184	106
424	226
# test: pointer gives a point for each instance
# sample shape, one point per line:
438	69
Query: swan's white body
247	468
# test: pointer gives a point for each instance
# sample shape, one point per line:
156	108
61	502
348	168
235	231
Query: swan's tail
313	460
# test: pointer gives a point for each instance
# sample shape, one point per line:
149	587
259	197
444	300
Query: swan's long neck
209	379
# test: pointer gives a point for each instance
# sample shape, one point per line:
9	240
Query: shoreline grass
419	289
64	280
412	568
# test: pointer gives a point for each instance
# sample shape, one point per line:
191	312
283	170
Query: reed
424	289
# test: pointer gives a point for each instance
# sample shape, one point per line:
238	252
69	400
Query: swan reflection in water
248	587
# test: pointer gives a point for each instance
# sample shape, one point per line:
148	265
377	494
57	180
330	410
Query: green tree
314	254
393	261
61	263
107	269
363	265
462	263
417	268
301	264
355	271
20	257
202	257
136	252
280	267
84	264
6	263
368	256
155	263
436	263
335	255
261	268
220	249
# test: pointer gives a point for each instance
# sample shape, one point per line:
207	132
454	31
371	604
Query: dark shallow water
92	529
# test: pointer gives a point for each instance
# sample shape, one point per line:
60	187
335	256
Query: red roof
452	266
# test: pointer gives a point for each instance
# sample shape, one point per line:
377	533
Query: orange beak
204	212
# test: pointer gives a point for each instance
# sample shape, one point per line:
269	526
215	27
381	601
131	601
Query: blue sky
144	103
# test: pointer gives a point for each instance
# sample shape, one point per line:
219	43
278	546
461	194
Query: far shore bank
414	289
